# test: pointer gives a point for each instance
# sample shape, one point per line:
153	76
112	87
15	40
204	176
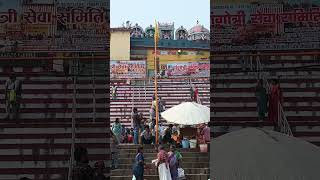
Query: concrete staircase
194	163
172	91
234	102
37	145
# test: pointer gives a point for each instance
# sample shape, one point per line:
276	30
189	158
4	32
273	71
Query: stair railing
133	97
73	130
198	99
145	90
93	88
283	124
258	68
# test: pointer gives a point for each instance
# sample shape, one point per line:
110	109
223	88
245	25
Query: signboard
53	25
169	56
127	69
194	69
282	25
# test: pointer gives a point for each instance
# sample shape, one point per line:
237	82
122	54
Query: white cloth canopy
257	154
187	113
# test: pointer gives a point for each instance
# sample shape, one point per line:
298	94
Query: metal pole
94	89
156	90
73	127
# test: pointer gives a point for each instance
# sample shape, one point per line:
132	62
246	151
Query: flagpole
155	81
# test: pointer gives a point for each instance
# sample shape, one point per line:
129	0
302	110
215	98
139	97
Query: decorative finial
197	21
128	25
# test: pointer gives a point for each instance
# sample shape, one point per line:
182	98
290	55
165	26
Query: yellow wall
194	56
120	45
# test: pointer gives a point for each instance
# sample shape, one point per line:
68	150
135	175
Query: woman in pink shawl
205	132
163	164
275	98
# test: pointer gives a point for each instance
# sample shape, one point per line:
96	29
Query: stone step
130	146
184	155
154	150
128	172
150	158
183	165
156	177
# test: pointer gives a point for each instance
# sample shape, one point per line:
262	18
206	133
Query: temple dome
199	32
137	31
198	29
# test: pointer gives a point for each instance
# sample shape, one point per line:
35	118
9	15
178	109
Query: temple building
175	46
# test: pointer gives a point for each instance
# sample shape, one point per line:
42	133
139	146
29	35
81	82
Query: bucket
193	143
185	143
203	147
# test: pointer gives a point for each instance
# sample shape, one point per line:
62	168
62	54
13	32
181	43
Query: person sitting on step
130	135
167	138
99	169
146	136
176	138
82	170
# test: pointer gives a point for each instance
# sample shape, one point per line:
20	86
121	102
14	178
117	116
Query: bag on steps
181	174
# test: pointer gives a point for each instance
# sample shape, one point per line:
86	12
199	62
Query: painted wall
120	45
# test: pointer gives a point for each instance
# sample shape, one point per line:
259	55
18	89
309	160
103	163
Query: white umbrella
257	154
187	113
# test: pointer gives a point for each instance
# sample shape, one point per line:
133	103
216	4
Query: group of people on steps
268	102
167	163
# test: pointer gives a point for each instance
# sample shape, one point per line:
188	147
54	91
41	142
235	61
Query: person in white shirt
161	131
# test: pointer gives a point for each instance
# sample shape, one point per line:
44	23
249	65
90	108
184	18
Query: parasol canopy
187	113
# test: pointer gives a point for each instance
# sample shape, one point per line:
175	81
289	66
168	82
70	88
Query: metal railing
133	98
145	90
283	124
93	90
139	91
198	99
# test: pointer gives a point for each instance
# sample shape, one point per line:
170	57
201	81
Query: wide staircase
194	163
234	101
38	144
171	91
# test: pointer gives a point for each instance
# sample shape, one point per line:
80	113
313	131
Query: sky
144	12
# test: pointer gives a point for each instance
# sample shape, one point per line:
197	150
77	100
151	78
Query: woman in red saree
196	94
275	98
